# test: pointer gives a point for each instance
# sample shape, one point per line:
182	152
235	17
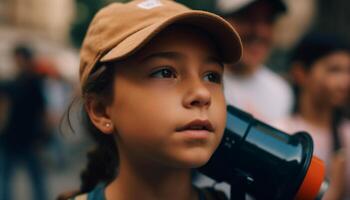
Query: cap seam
91	66
110	47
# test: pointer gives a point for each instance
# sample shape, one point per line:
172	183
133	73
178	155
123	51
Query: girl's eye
163	73
213	77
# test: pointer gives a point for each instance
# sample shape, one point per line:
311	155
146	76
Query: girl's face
168	105
329	79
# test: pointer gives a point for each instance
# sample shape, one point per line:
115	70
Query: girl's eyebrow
215	59
172	55
165	55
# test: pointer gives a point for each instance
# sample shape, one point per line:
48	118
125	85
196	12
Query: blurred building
51	18
333	18
325	16
330	17
45	25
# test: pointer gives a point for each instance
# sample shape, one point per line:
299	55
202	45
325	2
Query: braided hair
103	158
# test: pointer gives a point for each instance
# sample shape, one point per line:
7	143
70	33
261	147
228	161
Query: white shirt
264	94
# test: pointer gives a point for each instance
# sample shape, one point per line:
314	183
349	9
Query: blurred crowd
310	93
32	105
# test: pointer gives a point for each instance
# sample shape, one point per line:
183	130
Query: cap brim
224	35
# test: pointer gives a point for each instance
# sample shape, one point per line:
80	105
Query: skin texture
324	87
255	26
170	82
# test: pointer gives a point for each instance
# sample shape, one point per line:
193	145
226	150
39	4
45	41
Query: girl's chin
199	164
194	161
190	165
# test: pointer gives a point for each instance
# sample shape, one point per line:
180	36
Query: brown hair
103	158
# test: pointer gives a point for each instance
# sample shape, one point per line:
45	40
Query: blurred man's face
255	26
20	62
23	62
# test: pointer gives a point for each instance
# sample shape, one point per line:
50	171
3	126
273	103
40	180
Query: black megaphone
264	162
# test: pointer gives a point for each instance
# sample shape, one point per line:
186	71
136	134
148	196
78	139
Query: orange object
313	180
46	67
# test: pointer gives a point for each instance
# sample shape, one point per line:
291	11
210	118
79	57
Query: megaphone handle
238	190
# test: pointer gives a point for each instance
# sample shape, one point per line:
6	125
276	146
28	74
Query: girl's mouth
197	125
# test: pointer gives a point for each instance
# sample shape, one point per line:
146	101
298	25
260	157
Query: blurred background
53	31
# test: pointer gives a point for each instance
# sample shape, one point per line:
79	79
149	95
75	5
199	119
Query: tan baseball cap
120	29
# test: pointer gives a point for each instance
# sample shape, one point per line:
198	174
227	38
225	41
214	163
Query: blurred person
320	70
57	93
249	84
24	130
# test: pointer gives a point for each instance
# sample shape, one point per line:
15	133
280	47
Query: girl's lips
197	126
195	134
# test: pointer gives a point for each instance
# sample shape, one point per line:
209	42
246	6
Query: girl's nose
197	95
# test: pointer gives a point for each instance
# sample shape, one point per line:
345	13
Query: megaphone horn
266	163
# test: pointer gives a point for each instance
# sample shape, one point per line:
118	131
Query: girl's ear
299	74
98	115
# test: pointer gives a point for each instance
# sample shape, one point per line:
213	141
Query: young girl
151	80
321	73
